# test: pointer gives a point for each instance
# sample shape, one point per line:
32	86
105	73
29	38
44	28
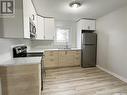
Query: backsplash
6	46
40	45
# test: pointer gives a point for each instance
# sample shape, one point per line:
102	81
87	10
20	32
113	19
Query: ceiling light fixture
75	4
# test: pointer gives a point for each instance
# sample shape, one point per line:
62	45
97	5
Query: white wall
39	45
112	42
6	50
12	27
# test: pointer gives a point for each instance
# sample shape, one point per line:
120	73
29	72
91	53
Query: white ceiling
90	8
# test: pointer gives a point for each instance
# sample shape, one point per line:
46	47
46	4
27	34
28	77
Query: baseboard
114	74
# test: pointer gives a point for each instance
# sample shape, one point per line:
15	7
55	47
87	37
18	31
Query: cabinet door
77	57
84	24
28	12
87	24
66	58
91	25
40	28
51	59
49	28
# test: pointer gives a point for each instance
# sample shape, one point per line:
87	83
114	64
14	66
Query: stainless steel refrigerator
88	50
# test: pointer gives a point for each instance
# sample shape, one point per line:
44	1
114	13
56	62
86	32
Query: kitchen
51	39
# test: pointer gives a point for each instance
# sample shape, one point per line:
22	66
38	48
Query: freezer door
89	38
88	56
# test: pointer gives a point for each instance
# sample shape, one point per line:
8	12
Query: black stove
21	51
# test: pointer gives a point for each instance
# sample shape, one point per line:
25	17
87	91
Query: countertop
31	60
59	49
22	61
62	49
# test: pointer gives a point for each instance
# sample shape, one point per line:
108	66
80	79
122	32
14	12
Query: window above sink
62	35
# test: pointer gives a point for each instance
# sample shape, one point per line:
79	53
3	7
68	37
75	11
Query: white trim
114	74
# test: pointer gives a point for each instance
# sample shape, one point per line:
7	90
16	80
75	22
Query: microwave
32	29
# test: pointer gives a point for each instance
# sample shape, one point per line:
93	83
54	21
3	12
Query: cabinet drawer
66	53
50	57
51	53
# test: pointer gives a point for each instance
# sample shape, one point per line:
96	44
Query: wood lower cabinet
21	79
51	59
77	57
66	58
62	58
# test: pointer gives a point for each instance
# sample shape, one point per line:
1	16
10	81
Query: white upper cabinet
28	13
40	28
45	28
49	27
92	25
88	24
84	24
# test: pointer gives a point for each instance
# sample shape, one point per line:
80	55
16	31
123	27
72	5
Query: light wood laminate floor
82	81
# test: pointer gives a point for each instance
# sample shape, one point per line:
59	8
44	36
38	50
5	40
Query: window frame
62	43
